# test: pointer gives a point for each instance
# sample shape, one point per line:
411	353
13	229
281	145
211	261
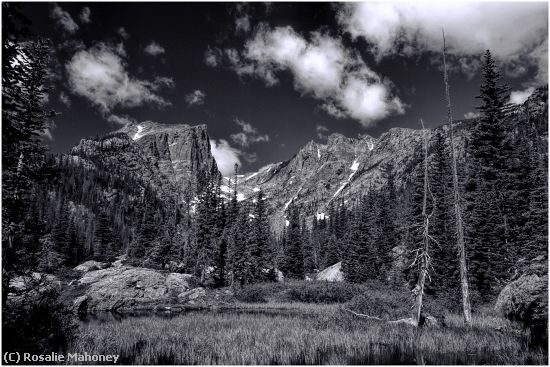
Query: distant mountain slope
175	158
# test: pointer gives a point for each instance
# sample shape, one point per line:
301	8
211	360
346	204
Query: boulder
90	265
279	276
132	288
192	294
526	300
119	261
80	304
332	273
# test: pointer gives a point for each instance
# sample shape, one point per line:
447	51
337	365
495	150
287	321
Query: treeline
36	320
503	183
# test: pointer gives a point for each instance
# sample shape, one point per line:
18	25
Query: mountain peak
138	130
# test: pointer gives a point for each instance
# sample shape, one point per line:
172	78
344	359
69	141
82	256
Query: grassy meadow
290	332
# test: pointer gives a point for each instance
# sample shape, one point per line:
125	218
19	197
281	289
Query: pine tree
388	236
445	273
59	234
105	239
293	265
487	187
260	251
239	249
24	70
75	252
360	261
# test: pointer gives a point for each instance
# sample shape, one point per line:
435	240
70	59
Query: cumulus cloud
225	155
212	56
63	19
321	131
100	75
248	134
470	28
471	115
242	18
322	68
154	49
63	98
85	15
123	33
195	98
47	134
520	96
120	120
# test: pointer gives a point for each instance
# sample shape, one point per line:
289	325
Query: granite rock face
172	158
525	298
332	274
341	169
130	288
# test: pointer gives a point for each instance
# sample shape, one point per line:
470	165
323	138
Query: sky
267	78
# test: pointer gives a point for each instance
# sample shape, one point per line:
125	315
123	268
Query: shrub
378	300
322	292
37	322
252	294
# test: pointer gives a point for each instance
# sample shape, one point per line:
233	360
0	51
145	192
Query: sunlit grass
310	334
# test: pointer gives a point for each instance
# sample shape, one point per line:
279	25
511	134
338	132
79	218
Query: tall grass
300	291
310	335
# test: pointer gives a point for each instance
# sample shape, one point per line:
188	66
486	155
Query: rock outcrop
128	288
525	299
172	158
89	266
332	273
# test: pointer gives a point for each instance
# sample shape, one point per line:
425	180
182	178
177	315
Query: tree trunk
423	256
457	207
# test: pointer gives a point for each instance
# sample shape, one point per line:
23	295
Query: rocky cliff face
343	168
171	157
174	157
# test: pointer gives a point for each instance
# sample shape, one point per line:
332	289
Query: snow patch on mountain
138	134
287	204
252	175
354	167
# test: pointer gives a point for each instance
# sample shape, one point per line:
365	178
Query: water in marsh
268	336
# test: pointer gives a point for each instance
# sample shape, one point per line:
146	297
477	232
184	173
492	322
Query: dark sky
104	74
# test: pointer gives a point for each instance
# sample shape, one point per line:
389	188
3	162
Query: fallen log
407	321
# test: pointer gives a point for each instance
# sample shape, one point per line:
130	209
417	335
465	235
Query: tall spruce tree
105	239
445	273
240	263
293	265
360	260
486	190
260	251
388	236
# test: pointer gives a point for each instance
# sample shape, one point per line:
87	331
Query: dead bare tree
422	257
457	205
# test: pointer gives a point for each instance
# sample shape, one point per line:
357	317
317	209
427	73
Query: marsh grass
300	334
300	291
